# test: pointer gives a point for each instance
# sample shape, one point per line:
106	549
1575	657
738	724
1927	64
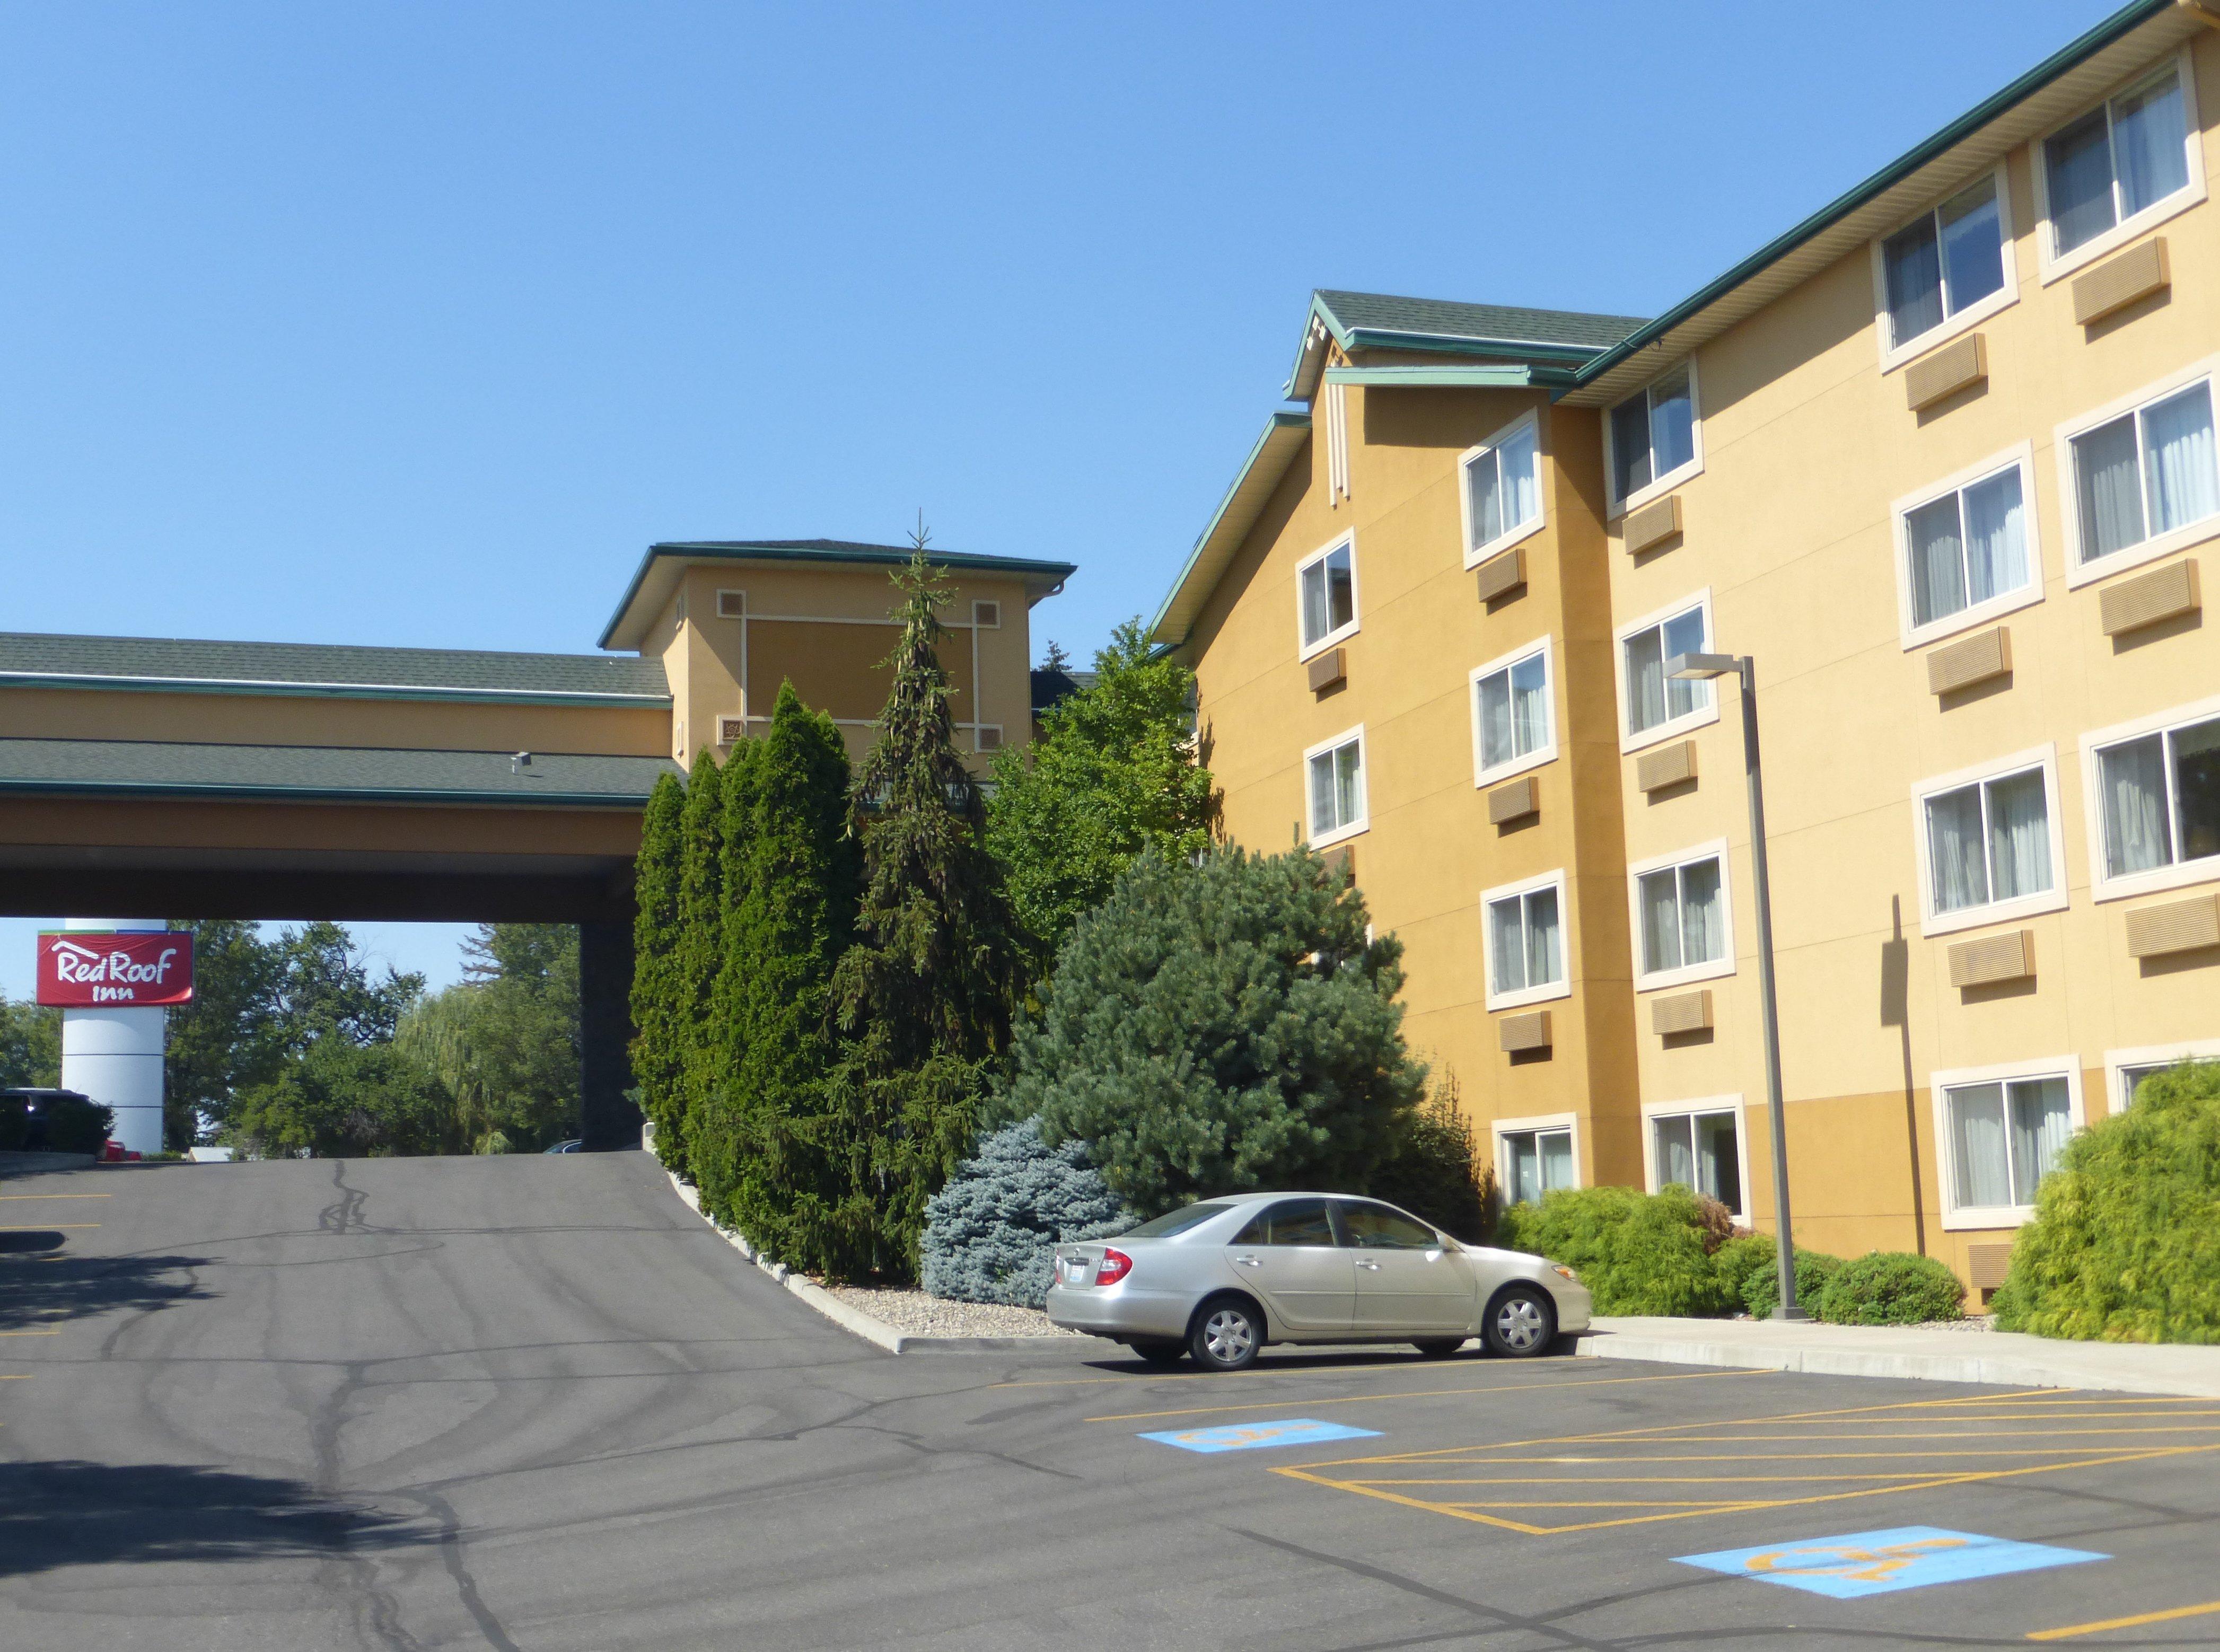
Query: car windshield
1178	1221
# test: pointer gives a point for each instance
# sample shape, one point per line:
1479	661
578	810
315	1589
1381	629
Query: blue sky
410	324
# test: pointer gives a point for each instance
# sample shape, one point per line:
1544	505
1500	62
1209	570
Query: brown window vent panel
2162	594
987	616
1669	765
1342	858
731	730
1980	658
1957	366
1327	669
2177	927
990	736
1521	798
1681	1012
1986	1264
2008	956
732	605
2117	283
1520	1033
1502	574
1654	524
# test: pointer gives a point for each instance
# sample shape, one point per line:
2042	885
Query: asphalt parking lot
533	1404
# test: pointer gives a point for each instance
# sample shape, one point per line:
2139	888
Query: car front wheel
1522	1322
1227	1335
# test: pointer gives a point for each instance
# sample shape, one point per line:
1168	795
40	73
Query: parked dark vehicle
52	1121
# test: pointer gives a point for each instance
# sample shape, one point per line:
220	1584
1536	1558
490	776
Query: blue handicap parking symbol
1881	1562
1247	1437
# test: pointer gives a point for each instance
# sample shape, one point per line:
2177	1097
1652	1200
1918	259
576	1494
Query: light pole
1692	667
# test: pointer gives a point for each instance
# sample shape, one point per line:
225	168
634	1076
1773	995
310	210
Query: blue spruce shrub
988	1233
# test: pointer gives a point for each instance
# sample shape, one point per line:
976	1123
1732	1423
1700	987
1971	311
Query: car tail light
1115	1265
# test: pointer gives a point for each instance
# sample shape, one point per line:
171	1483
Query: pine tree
698	955
925	995
712	1144
658	1045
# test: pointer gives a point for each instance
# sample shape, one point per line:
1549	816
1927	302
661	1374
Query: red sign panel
79	966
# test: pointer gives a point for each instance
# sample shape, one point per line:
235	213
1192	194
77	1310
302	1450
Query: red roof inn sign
80	967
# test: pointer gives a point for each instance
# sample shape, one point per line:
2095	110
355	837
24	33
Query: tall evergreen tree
700	952
715	1149
925	995
658	1044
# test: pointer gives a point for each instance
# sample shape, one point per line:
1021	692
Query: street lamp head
1695	668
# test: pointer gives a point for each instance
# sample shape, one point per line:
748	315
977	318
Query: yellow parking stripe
1418	1393
2171	1615
30	1333
1298	1367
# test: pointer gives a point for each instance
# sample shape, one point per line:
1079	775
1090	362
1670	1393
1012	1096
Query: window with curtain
1512	706
1328	585
1525	943
1967	548
1989	841
1701	1151
1536	1162
2146	472
1943	263
1654	700
2129	154
1684	915
2159	795
1653	433
1337	787
1503	486
2005	1136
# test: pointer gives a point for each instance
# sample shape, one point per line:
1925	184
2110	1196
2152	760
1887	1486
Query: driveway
534	1403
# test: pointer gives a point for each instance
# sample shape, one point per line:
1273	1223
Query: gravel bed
918	1314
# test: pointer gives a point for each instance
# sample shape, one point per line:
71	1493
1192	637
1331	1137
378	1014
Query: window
2143	480
1291	1221
2126	1069
1654	441
1534	1157
1699	1146
1681	919
1335	773
2158	799
1967	550
1525	942
1376	1227
1502	490
1990	848
1178	1221
1326	586
2002	1130
1656	705
1512	728
2121	167
1943	264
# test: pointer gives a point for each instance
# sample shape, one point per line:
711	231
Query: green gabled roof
182	664
325	774
1373	320
1042	578
1283	436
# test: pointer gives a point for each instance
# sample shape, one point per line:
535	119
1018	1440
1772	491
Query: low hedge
1739	1260
2125	1243
1890	1287
1761	1291
1637	1253
63	1122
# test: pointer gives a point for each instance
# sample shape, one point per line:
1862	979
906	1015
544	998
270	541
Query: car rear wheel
1440	1348
1522	1322
1226	1335
1160	1353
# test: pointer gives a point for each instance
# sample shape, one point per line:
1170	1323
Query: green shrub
1637	1253
990	1233
1890	1287
2125	1243
64	1123
1761	1292
1741	1257
1434	1172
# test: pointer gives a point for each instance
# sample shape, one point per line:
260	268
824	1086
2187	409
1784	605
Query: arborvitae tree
722	1045
658	1041
925	995
700	952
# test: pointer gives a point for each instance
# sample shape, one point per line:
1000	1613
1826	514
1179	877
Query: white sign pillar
114	1054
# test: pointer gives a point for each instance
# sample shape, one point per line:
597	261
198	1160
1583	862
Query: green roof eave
326	690
2113	28
1492	376
1283	432
246	792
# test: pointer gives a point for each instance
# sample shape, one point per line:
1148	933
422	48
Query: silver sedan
1219	1280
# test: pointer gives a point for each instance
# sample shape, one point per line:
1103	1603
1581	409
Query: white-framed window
2154	796
1652	706
1325	596
1699	1145
1534	1156
1966	547
2108	175
2140	478
1946	270
1514	720
1333	781
2126	1069
1654	439
1990	845
1523	924
1502	488
1683	918
2001	1130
